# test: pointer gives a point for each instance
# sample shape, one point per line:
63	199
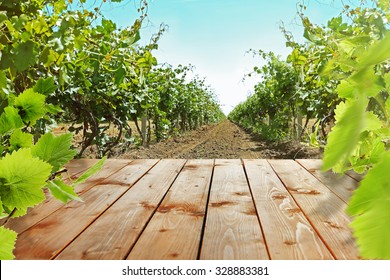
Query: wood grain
111	169
288	234
175	230
232	229
66	218
356	176
323	208
159	209
46	238
116	231
341	185
51	204
76	166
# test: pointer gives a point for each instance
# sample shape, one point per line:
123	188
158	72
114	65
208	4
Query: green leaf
377	53
95	168
21	179
7	243
347	46
20	139
384	5
30	105
48	57
45	86
54	149
367	82
120	75
20	21
53	109
40	25
372	231
3	83
10	120
3	17
24	56
371	204
3	214
60	6
347	89
376	184
62	191
345	134
372	122
369	152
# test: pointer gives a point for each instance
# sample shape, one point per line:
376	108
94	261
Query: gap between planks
229	209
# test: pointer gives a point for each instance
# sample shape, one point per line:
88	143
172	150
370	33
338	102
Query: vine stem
9	217
57	173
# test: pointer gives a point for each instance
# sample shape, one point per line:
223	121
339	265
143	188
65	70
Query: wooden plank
288	234
174	231
341	185
232	229
51	204
117	167
115	232
77	166
324	209
46	238
358	177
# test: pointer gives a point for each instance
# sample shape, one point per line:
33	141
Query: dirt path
223	140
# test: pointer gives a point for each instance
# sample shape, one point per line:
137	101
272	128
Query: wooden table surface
195	209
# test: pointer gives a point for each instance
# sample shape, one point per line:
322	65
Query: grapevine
341	77
63	63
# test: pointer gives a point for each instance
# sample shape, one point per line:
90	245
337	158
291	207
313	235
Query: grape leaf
10	120
54	149
95	168
369	151
372	229
30	105
62	191
7	241
367	82
19	140
24	56
376	184
346	88
53	109
3	17
372	122
346	133
3	83
3	214
377	53
45	86
384	5
21	179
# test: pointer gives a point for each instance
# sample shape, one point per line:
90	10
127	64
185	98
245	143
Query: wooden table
195	209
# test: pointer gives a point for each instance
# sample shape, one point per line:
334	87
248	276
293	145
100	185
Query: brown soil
224	140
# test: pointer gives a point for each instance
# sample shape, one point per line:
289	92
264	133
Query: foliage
360	138
342	76
97	69
27	167
34	47
269	110
100	73
177	102
60	62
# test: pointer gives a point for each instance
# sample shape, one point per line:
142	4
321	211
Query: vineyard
64	65
341	76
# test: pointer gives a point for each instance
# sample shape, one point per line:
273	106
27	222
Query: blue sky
215	35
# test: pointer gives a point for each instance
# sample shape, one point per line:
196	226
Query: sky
216	35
